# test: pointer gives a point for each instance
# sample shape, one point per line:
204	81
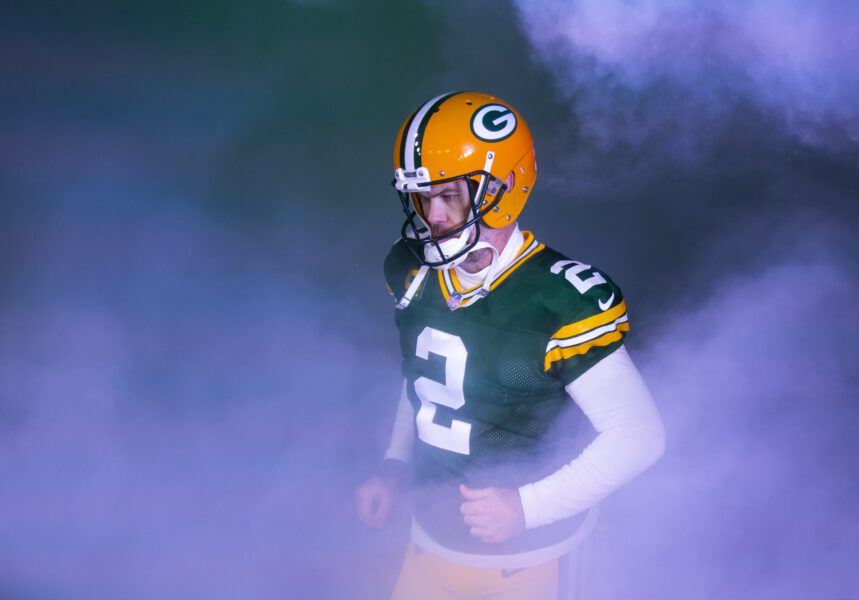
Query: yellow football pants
425	576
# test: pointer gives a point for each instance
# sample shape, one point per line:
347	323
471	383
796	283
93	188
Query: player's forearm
393	471
630	439
403	431
611	460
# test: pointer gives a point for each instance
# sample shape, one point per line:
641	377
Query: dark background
198	362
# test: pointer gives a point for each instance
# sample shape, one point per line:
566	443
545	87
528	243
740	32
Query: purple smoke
188	396
636	68
755	497
751	352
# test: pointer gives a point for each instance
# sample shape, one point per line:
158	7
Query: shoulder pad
401	266
590	316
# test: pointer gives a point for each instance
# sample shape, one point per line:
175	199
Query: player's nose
437	212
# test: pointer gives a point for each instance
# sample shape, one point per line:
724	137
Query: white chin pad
449	247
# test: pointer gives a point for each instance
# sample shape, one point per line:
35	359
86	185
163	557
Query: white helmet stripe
410	136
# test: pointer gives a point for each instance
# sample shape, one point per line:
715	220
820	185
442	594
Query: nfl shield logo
454	301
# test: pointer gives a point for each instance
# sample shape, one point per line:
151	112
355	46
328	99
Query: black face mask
417	235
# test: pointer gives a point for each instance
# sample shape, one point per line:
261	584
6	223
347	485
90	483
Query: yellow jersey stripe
588	335
558	353
449	283
592	322
520	260
528	239
443	286
516	264
457	286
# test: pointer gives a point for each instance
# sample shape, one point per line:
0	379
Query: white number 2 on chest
447	393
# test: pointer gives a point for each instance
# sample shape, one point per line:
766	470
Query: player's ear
510	181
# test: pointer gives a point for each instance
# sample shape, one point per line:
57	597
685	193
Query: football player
499	335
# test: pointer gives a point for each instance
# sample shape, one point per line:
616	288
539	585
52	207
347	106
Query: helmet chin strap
413	288
482	291
448	248
491	269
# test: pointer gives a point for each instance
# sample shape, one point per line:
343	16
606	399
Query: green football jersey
486	376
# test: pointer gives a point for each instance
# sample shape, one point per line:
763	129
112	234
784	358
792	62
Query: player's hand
494	514
375	499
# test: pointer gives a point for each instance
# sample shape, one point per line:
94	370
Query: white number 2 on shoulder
573	275
447	393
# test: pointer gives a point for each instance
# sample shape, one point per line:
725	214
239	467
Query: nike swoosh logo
604	305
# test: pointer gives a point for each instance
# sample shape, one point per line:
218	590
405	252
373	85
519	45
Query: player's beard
474	260
478	259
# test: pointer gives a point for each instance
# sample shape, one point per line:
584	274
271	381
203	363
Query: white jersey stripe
588	335
412	134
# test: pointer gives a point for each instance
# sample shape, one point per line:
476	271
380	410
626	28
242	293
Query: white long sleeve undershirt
403	432
630	438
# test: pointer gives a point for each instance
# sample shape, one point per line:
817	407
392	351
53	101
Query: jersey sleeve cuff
530	502
399	454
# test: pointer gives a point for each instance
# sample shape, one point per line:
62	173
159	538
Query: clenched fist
375	499
494	514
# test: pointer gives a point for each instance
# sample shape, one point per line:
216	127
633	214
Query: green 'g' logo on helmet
493	122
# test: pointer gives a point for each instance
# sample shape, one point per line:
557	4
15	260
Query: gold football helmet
462	136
